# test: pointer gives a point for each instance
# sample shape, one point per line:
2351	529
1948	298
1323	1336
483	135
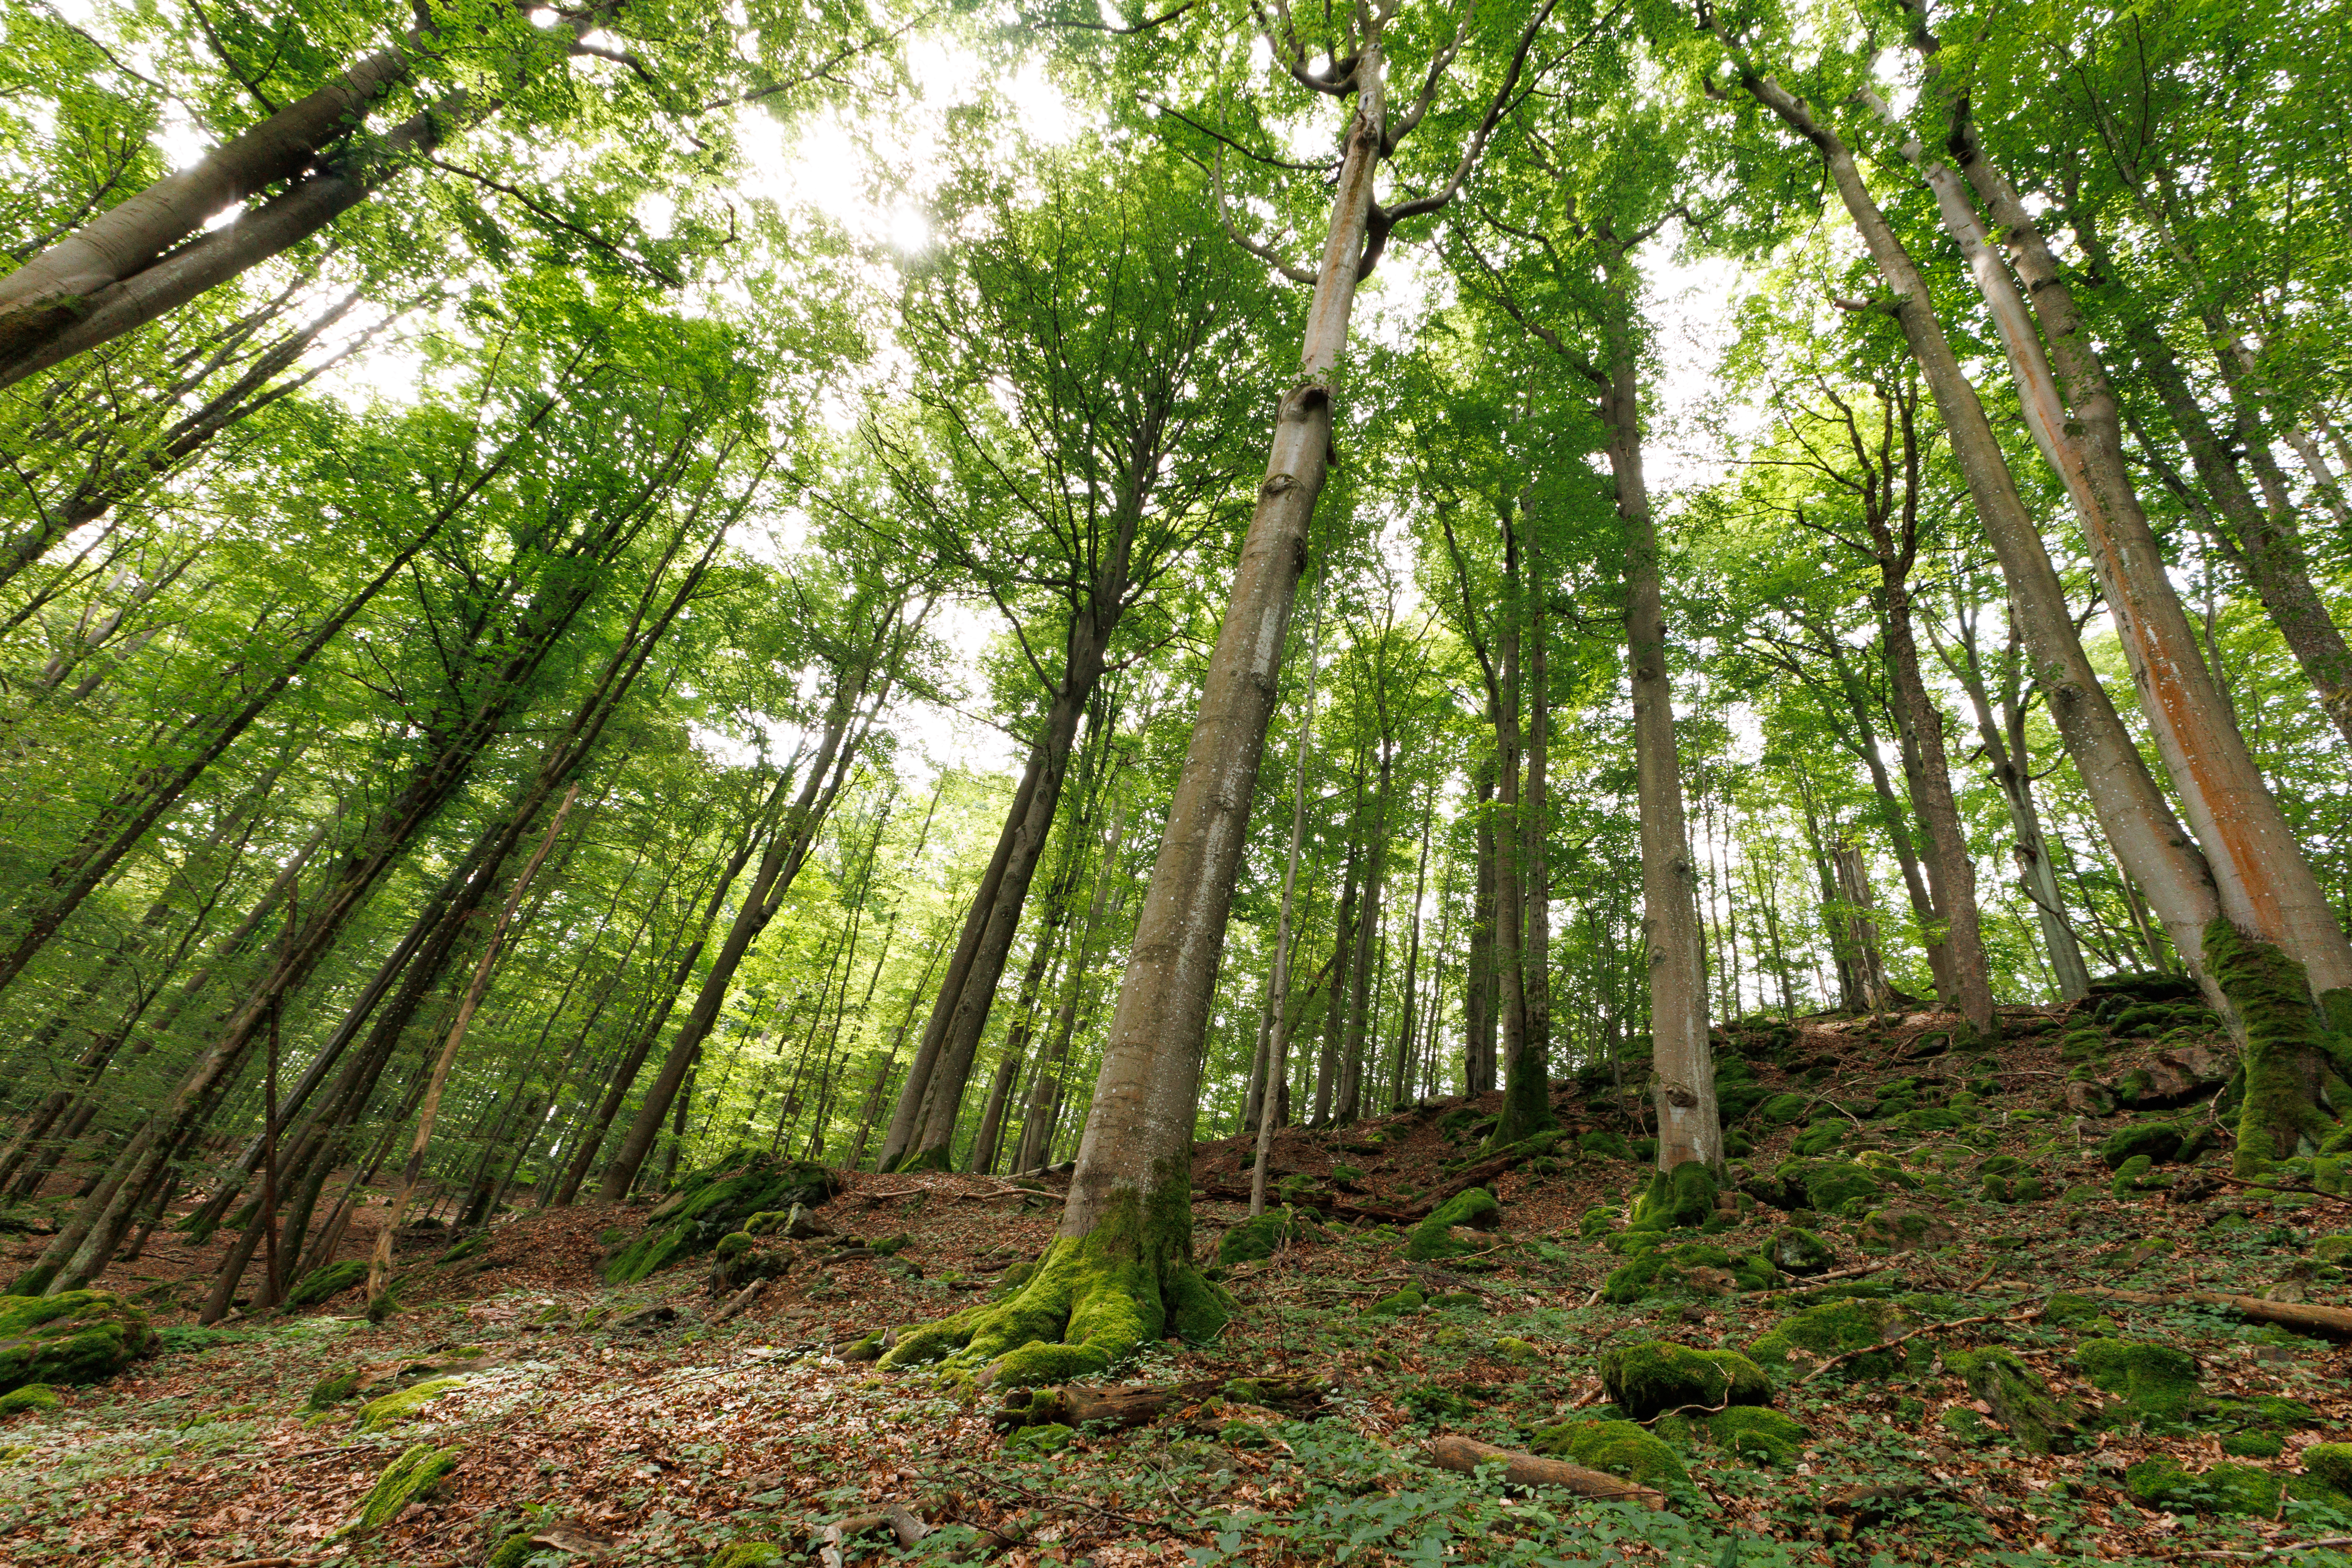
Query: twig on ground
2019	1317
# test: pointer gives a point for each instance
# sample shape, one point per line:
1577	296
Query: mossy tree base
2294	1071
1093	1300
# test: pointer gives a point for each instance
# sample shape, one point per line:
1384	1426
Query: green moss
1826	1186
378	1413
1669	1269
1517	1349
31	1396
2253	1445
1819	1139
2329	1464
1604	1145
2064	1309
2135	1176
1796	1250
1094	1299
1047	1437
2332	1249
516	1548
1757	1434
331	1280
1835	1328
2287	1064
1595	1222
406	1479
2154	1379
715	1202
1783	1109
1408	1299
1683	1196
473	1246
749	1554
1649	1379
1617	1448
1901	1230
2038	1421
2158	1141
1262	1237
334	1388
1431	1238
2161	1483
76	1337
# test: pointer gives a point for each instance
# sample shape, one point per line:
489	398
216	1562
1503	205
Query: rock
2157	1142
1662	1271
1649	1379
31	1397
2153	1380
646	1318
2089	1099
1903	1230
1796	1250
406	1479
2038	1421
800	1225
331	1280
1617	1448
1825	1186
1604	1144
1431	1238
1758	1434
1817	1334
715	1202
79	1336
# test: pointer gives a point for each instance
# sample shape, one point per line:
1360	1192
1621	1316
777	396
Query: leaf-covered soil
665	1441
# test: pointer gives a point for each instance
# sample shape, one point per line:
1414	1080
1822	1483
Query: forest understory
2003	1344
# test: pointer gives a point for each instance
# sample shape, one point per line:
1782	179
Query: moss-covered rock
2135	1176
1604	1144
2329	1464
33	1396
2064	1309
1649	1379
1263	1234
2332	1249
2157	1140
334	1388
1046	1438
1834	1327
715	1203
2038	1420
1683	1196
1903	1230
78	1336
1433	1237
1595	1222
1697	1269
2154	1379
753	1554
401	1405
1796	1250
1817	1139
332	1279
1409	1300
406	1479
2161	1483
1758	1434
1617	1448
1826	1186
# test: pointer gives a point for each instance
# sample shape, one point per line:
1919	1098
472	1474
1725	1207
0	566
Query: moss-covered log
1093	1300
2296	1069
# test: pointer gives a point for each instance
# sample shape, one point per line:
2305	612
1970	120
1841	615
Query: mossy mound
1682	1197
1818	1140
1784	1109
2154	1379
1903	1230
1758	1434
1835	1328
715	1203
2158	1141
2065	1310
79	1336
334	1388
2161	1483
1617	1448
1262	1237
749	1554
1433	1238
1825	1186
392	1408
404	1480
1409	1300
1648	1380
1796	1250
31	1397
2330	1465
1696	1270
2038	1421
331	1280
2253	1445
1604	1145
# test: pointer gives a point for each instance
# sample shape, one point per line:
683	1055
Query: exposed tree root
1467	1454
1139	1404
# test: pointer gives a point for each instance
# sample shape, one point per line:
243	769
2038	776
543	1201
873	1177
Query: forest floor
598	1436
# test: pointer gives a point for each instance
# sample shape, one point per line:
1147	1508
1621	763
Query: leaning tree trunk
1120	1271
2138	820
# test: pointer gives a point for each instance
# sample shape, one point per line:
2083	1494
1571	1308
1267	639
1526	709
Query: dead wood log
740	1300
2330	1323
1139	1404
1467	1454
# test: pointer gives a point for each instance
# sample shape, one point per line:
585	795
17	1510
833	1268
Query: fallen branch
1855	1272
2333	1322
2018	1317
1467	1454
2278	1551
2277	1191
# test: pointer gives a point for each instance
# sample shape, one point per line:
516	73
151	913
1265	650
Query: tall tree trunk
1478	970
1526	1072
1353	1046
1046	1085
1862	927
1401	1081
1276	1071
1328	1067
